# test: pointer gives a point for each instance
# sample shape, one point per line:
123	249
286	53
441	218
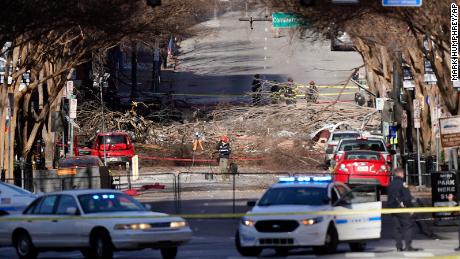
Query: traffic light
154	3
307	3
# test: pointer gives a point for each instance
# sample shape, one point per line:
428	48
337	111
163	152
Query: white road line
301	256
418	254
359	255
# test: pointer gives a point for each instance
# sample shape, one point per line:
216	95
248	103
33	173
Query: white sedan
96	222
13	200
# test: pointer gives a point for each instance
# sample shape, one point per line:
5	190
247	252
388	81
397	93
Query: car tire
168	252
330	243
357	247
246	251
101	246
24	246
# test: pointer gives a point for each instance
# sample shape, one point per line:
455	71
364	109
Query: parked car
361	143
118	147
334	139
96	222
13	199
341	41
362	167
69	165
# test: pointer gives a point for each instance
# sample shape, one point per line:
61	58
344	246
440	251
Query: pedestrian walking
256	87
224	150
399	196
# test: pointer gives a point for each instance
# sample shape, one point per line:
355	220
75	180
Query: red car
118	147
363	167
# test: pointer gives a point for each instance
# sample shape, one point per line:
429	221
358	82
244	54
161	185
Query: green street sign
286	20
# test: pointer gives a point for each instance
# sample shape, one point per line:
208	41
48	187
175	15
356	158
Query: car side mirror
148	207
392	152
251	204
71	211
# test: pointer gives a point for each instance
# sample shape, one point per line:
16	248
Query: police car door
357	225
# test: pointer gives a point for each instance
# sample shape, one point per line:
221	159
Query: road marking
301	256
359	255
418	254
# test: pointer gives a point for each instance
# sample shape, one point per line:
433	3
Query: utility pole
100	82
156	68
134	70
416	106
396	97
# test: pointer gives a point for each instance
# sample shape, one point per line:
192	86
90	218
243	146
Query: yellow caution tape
260	93
457	256
239	215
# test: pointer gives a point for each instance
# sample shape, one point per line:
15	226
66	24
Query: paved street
218	65
214	239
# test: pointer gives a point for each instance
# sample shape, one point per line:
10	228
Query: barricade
213	192
60	183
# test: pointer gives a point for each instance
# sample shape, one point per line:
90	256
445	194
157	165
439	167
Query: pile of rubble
282	133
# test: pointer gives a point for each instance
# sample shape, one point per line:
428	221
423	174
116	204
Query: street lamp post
101	81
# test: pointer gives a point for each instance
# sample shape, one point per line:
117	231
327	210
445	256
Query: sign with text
450	131
444	192
404	120
415	3
379	103
416	104
69	89
429	76
287	20
73	108
408	79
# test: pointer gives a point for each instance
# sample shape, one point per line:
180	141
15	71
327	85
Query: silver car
334	139
361	143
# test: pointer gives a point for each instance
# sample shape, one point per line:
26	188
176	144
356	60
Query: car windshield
339	136
80	161
113	139
108	202
373	145
362	156
313	196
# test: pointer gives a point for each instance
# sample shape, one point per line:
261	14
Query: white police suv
284	218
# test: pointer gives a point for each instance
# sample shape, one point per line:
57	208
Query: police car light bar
301	179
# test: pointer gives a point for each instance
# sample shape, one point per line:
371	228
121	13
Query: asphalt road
218	64
214	238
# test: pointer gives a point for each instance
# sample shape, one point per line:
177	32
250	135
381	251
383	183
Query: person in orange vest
198	142
224	150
